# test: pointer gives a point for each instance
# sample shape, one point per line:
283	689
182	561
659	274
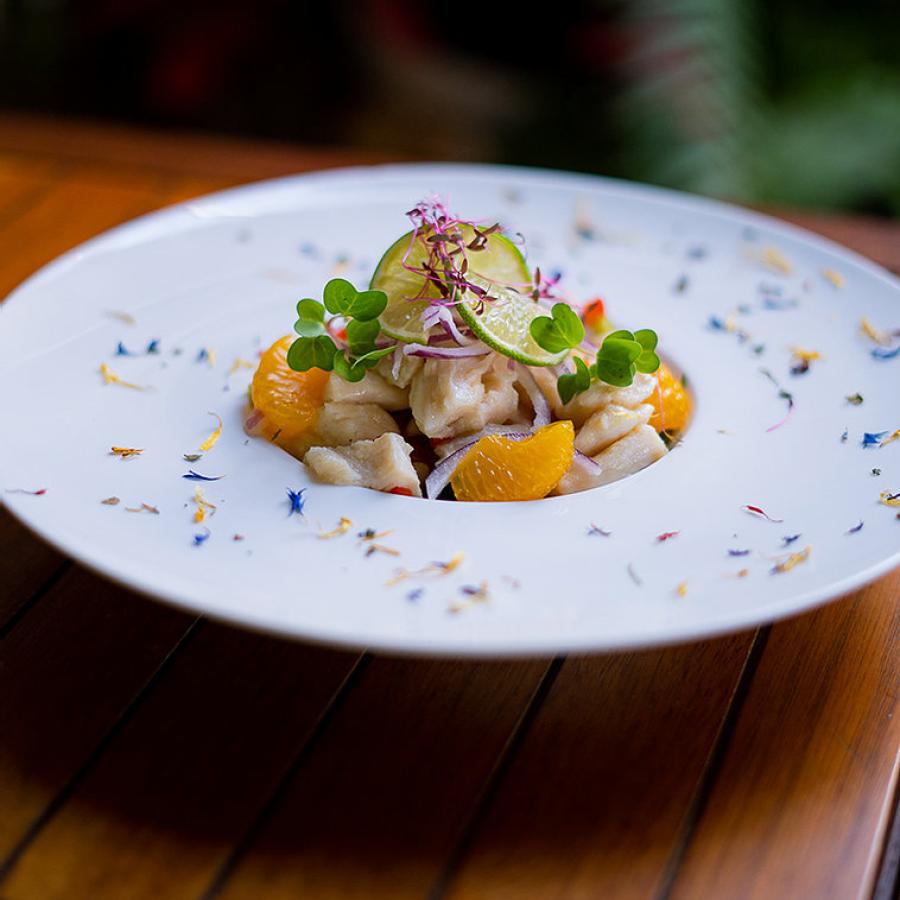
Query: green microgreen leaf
561	330
338	295
348	370
312	353
311	321
616	359
361	336
368	305
571	384
342	299
368	360
648	361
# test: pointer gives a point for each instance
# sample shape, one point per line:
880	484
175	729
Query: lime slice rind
504	324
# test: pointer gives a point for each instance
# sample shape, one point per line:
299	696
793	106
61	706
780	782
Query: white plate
224	273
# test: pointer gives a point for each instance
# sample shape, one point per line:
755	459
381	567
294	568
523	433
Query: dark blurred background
766	102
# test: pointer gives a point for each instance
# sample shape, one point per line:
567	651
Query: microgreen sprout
620	357
316	348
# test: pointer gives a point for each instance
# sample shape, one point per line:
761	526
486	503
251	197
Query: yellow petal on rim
210	442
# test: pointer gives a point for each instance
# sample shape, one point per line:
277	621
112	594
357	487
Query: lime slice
500	261
505	324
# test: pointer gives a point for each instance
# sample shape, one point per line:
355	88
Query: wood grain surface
145	753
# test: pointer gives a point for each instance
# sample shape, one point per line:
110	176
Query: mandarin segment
670	401
289	400
498	468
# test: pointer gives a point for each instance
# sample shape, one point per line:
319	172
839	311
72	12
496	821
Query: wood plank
21	181
80	205
26	564
206	155
801	803
186	775
387	786
67	670
878	239
593	803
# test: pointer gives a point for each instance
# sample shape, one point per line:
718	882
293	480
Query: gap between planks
7	865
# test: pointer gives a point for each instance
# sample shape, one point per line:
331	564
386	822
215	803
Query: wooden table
145	753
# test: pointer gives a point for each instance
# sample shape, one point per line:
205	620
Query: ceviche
460	374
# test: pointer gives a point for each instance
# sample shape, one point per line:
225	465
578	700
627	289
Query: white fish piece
546	381
381	464
342	423
408	367
371	389
454	396
609	424
599	395
631	453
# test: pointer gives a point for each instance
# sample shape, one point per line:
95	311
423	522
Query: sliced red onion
583	461
396	362
445	352
536	396
513	431
252	421
443	316
442	472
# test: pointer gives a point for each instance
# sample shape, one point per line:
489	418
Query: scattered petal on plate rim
343	526
210	442
240	363
196	476
833	276
761	513
296	500
434	568
873	438
110	377
125	452
794	559
110	501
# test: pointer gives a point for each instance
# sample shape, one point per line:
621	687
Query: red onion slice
453	444
582	460
536	396
445	352
253	420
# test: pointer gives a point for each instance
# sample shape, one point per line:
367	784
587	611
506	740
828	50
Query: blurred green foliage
780	102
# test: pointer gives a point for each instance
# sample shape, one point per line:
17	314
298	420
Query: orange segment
670	401
289	400
498	468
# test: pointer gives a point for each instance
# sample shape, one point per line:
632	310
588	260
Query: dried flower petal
794	559
210	442
757	511
344	525
110	377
